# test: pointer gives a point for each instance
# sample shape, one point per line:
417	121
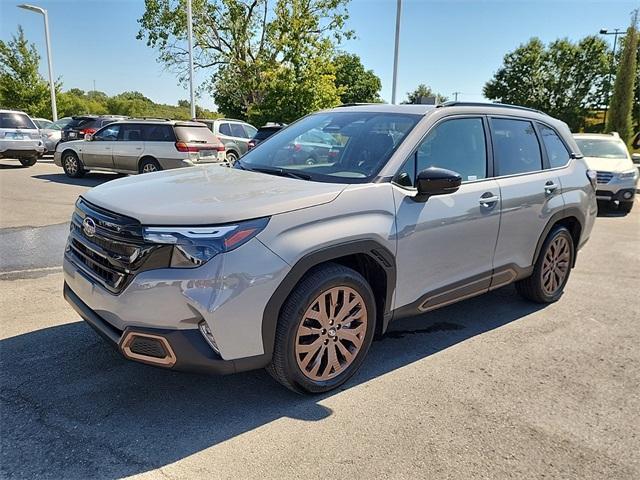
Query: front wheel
28	162
551	271
324	331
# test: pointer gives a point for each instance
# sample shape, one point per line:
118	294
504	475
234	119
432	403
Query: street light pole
52	86
395	54
190	37
615	34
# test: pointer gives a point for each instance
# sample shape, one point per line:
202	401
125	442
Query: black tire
232	157
625	207
284	365
533	287
72	165
28	162
149	165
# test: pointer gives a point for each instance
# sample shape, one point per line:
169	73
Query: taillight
90	131
592	175
183	147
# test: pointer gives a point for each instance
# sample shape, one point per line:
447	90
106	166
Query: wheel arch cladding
372	260
573	220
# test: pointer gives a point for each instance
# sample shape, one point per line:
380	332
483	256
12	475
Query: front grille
114	252
604	177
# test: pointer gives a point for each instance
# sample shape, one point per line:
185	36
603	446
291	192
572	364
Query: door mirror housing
436	181
636	158
88	137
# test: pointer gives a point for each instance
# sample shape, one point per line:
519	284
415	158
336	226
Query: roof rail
453	103
355	104
149	118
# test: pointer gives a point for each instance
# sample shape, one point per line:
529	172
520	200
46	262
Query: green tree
21	85
262	64
621	107
565	79
355	83
421	91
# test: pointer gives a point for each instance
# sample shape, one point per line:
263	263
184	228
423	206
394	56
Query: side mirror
437	181
635	157
88	137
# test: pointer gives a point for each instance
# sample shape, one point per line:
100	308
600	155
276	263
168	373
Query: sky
450	45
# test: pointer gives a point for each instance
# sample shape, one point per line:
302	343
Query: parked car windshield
15	120
344	147
603	148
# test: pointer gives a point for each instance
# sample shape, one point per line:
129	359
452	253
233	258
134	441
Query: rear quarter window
15	120
195	134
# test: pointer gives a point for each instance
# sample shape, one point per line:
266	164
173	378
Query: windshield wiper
281	172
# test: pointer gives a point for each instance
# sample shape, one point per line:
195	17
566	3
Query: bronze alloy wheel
556	264
331	333
71	164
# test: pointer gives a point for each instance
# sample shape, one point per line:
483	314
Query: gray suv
296	266
234	134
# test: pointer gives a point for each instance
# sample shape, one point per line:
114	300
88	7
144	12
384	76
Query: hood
208	195
609	164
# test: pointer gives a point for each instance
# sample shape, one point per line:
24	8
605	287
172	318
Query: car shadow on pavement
73	408
89	180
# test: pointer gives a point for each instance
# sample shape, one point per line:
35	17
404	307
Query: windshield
603	148
342	147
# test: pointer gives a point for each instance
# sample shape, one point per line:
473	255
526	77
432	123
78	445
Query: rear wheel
324	331
552	269
149	165
71	165
232	158
28	162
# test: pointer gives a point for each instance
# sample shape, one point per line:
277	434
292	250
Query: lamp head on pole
603	31
33	8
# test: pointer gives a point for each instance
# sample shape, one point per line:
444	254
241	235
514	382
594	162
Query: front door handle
488	200
550	187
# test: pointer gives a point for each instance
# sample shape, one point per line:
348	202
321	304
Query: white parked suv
140	146
296	266
19	137
608	155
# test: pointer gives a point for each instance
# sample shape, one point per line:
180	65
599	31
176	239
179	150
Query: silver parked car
51	134
19	137
608	155
140	146
235	134
295	267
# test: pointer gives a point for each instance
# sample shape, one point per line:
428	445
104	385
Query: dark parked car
263	133
79	126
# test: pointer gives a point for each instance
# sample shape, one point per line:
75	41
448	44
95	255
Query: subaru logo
89	227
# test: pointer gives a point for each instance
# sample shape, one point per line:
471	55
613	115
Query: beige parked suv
140	146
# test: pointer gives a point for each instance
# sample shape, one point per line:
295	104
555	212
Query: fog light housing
627	195
208	336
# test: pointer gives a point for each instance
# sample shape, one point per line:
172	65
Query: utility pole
455	94
190	37
395	54
615	34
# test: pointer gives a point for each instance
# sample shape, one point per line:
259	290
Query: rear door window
195	134
556	151
130	132
238	131
251	131
15	120
225	129
515	146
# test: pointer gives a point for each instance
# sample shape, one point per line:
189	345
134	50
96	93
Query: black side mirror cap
436	181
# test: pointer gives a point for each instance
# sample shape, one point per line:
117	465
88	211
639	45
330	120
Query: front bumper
186	350
617	189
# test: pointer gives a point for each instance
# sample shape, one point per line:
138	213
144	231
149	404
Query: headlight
194	246
628	174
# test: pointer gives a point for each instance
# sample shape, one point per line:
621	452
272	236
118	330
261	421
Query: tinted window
366	139
602	147
60	124
264	133
195	134
130	132
225	129
109	133
515	146
159	133
556	151
15	120
79	122
251	131
237	130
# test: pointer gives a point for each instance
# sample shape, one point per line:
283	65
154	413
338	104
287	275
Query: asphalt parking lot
493	387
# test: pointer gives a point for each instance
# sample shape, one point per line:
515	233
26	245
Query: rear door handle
489	200
550	187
